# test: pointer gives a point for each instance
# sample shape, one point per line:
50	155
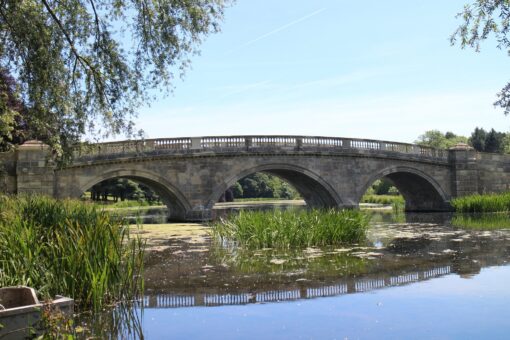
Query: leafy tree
480	20
286	191
477	139
506	143
237	190
436	139
86	65
264	185
12	111
382	187
123	189
494	141
250	187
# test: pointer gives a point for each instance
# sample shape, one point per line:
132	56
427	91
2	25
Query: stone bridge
191	174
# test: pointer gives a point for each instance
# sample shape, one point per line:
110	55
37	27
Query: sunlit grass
482	203
292	228
262	199
68	248
382	199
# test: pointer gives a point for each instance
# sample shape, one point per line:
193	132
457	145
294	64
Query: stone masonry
190	174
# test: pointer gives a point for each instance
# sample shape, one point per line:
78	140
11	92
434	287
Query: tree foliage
481	140
123	189
382	187
492	141
263	185
84	66
436	139
11	110
480	20
477	139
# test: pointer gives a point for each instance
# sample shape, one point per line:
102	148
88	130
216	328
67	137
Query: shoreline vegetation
65	247
382	199
292	228
480	203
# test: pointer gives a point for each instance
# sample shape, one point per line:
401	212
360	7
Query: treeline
263	185
123	189
258	185
480	139
382	187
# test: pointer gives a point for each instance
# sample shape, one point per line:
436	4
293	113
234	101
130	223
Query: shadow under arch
315	191
177	204
421	192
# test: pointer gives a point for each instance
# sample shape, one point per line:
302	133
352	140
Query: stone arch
421	191
177	204
315	191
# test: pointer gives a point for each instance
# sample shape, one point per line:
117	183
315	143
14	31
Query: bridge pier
35	169
198	215
463	159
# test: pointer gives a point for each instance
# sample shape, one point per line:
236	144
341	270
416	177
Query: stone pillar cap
33	144
461	146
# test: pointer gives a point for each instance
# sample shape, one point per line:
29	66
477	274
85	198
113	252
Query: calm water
418	276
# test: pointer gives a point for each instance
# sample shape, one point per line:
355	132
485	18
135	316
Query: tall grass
292	228
482	203
68	248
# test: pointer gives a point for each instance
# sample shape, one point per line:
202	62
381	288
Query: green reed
68	248
482	203
292	228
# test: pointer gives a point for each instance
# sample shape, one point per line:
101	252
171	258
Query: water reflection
191	273
487	221
185	268
143	215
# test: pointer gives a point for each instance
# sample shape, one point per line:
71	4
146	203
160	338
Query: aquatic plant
68	248
482	203
292	228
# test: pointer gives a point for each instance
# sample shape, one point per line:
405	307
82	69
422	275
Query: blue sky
365	69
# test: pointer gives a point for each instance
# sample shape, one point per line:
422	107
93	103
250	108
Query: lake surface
418	276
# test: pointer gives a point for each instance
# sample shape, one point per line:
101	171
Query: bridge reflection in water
339	288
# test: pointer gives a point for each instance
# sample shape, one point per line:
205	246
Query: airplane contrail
279	29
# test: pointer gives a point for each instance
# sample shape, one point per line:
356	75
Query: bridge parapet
252	143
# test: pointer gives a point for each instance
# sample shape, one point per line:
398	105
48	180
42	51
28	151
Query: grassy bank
263	199
383	199
68	248
482	203
290	228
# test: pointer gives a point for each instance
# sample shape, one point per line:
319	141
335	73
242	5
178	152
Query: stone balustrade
252	143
